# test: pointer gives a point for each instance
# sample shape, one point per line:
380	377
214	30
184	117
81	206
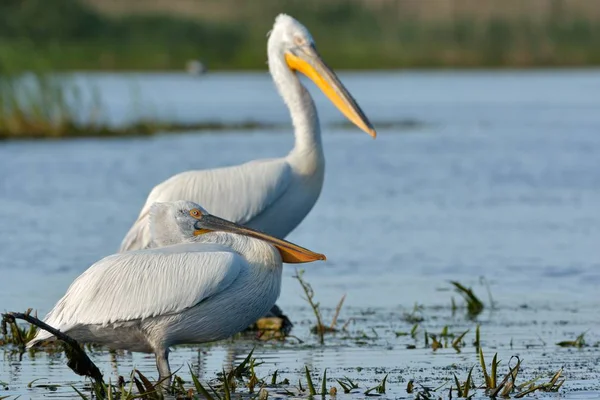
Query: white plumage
273	195
144	284
213	285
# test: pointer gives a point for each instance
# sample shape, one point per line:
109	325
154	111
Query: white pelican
271	195
224	278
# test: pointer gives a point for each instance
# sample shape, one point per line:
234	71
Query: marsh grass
242	381
222	387
347	384
477	341
39	105
415	316
17	334
379	389
473	304
492	386
463	389
578	342
508	385
124	390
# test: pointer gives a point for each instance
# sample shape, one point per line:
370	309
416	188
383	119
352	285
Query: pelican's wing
146	283
238	194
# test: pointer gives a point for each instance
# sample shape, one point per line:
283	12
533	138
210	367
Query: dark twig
79	362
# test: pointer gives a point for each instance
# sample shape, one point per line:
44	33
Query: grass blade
468	383
199	388
148	386
309	382
226	388
493	377
337	312
488	382
346	388
456	343
242	368
83	396
458	388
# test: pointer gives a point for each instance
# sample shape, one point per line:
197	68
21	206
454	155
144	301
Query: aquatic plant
474	305
78	360
347	384
243	379
508	385
319	328
415	316
495	380
40	105
578	342
17	334
506	388
463	390
477	341
380	388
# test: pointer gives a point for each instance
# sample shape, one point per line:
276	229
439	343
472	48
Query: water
495	176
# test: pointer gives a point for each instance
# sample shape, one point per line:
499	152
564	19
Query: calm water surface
473	174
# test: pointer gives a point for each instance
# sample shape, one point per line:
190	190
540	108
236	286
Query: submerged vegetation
353	34
473	304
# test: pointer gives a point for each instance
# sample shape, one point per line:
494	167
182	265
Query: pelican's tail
41	336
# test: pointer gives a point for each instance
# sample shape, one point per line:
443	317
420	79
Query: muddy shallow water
375	343
496	175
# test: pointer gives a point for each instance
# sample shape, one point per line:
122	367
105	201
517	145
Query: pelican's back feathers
238	194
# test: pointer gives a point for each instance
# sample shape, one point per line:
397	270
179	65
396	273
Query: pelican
271	195
220	279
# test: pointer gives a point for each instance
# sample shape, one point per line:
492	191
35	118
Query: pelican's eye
299	41
196	213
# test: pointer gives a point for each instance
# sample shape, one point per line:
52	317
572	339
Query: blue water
496	174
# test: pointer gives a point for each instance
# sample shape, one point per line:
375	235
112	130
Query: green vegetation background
68	34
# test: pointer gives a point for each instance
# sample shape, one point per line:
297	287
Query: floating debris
578	342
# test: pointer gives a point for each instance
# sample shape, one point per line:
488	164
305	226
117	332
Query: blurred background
355	34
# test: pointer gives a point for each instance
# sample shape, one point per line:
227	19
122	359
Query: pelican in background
219	279
271	195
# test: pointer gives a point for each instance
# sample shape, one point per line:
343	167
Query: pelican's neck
302	108
257	252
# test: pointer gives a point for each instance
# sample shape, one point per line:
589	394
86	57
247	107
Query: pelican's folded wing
147	283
